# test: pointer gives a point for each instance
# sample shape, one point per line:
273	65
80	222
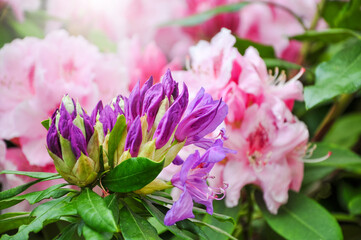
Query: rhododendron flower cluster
156	122
35	74
269	140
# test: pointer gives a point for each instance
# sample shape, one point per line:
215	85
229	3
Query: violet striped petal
52	140
77	141
171	119
134	138
98	108
168	84
151	103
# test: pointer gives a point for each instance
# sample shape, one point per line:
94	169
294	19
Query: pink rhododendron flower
36	73
20	6
144	62
269	140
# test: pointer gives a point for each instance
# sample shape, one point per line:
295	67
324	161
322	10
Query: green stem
247	233
347	218
307	45
336	110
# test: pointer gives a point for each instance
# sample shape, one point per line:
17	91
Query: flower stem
247	228
336	110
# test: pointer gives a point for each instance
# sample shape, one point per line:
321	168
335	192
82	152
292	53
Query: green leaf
34	197
46	123
229	226
94	212
44	213
14	223
188	225
26	28
12	214
38	175
214	228
132	174
342	134
340	158
314	173
274	62
301	218
328	35
133	226
265	51
19	189
111	202
349	16
159	215
91	234
115	137
355	205
342	74
68	232
206	15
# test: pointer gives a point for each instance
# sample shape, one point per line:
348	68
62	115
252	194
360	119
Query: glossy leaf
188	225
340	75
135	227
111	202
159	215
68	232
44	213
301	218
114	138
14	223
12	214
132	174
328	35
206	15
228	225
355	205
94	211
91	234
265	51
214	228
19	189
34	197
342	134
38	175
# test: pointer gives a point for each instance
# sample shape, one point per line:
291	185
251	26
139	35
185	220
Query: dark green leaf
44	213
342	134
19	189
159	215
274	62
46	123
12	214
68	232
214	228
191	227
328	35
204	16
340	75
301	218
349	16
340	158
111	202
114	138
13	223
133	226
355	205
132	174
34	197
91	234
265	51
314	173
94	211
229	226
38	175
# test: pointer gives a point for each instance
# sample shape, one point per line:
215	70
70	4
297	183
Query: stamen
316	160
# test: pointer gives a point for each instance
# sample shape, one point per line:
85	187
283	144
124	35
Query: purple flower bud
77	141
152	100
65	121
134	138
133	105
147	85
98	108
52	139
171	119
108	118
203	116
169	84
